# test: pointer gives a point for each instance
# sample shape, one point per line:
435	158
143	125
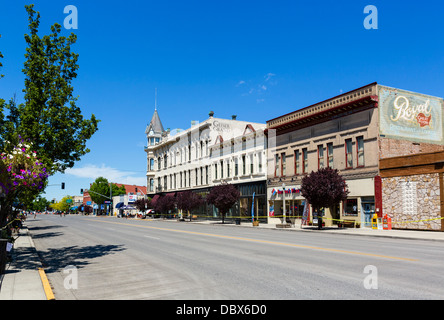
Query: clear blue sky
256	59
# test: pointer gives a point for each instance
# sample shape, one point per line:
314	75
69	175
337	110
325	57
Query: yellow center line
261	241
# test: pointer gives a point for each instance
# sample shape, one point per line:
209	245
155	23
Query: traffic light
81	191
63	185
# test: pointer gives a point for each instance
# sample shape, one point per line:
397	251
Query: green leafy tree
62	205
117	191
99	190
40	204
50	117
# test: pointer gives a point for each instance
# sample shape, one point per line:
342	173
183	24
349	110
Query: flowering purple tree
189	200
22	176
324	189
165	204
223	197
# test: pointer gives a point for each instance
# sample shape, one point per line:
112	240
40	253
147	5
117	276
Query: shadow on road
55	260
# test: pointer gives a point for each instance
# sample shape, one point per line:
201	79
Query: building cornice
353	101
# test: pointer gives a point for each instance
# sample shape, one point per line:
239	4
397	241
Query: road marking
152	237
46	286
263	241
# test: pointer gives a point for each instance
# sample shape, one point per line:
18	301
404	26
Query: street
95	258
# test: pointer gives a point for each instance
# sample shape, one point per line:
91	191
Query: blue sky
255	59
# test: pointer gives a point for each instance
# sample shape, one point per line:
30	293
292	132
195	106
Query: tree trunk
3	257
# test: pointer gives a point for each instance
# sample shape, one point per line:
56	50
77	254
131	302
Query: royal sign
410	116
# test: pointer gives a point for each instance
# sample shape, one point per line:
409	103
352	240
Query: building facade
351	132
241	160
207	154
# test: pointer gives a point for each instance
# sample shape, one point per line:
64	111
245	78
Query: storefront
358	207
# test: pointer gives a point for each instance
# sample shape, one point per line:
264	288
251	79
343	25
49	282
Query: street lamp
283	200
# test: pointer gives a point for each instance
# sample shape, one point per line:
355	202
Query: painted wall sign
410	116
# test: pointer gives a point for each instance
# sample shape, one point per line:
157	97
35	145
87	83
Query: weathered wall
412	201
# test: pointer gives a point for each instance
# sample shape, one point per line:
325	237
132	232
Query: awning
120	204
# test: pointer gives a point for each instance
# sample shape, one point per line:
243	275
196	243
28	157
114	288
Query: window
151	184
259	162
276	169
206	174
283	167
360	151
320	156
221	169
181	177
330	155
351	207
305	159
159	162
151	164
228	168
236	168
244	165
348	154
196	172
244	144
297	162
165	183
189	178
251	164
215	171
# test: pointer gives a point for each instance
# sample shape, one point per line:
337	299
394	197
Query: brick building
357	133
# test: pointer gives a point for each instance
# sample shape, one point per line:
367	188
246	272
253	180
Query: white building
205	155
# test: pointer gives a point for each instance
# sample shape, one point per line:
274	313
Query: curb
45	282
356	233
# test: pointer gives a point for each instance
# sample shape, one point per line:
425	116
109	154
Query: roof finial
155	101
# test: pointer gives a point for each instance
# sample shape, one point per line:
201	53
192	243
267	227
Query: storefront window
351	207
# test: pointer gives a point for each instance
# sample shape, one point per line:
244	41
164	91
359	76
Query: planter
237	221
255	223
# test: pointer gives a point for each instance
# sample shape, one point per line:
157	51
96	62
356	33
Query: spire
155	101
155	124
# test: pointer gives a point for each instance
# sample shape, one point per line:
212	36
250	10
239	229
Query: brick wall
395	148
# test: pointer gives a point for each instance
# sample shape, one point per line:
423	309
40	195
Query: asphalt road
113	258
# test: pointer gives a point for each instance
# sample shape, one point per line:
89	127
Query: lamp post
283	200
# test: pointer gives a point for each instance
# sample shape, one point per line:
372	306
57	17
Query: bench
349	223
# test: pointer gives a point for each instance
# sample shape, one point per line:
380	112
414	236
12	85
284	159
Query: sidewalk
401	234
23	281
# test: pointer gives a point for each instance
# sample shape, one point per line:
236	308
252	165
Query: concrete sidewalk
401	234
23	281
